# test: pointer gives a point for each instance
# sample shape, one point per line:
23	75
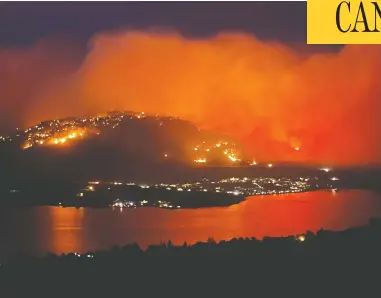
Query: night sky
24	23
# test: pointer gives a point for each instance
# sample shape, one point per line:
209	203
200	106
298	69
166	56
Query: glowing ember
232	158
200	160
26	146
301	238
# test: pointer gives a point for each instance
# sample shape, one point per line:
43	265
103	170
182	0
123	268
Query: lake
60	230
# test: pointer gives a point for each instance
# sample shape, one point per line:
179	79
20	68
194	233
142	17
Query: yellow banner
343	22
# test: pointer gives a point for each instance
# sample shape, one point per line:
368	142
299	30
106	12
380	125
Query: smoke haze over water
271	97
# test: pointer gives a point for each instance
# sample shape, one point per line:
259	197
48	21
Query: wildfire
221	150
54	139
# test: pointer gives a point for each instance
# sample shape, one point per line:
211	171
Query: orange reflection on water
82	230
259	216
66	229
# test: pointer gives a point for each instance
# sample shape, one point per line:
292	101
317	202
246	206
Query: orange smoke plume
283	105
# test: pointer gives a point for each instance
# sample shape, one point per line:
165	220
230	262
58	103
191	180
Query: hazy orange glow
281	105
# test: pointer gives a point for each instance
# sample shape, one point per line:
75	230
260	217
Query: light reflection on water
53	229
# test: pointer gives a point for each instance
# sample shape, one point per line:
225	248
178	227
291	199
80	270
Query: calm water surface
52	229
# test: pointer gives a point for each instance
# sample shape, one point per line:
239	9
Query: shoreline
238	200
244	199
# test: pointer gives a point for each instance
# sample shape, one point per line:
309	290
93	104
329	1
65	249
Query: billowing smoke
26	73
282	104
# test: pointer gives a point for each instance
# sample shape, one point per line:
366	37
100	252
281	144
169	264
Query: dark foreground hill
328	264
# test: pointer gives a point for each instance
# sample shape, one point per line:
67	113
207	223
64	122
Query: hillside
117	144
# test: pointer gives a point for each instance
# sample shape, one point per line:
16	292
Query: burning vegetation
204	148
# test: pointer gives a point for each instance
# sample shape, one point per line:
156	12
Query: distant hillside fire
201	148
56	138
